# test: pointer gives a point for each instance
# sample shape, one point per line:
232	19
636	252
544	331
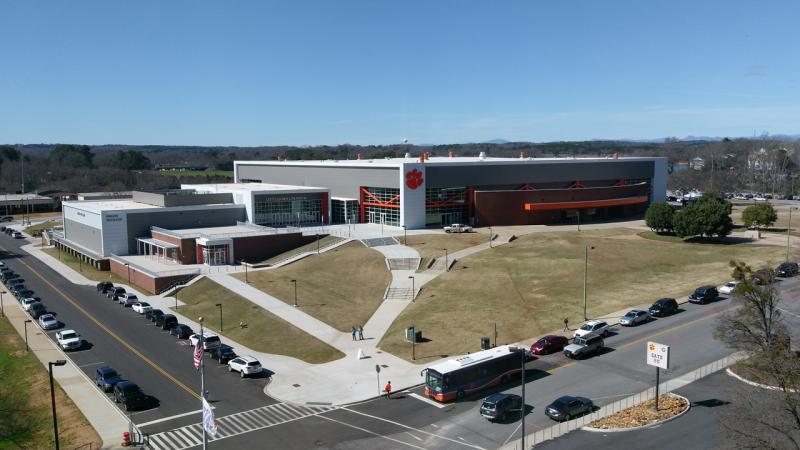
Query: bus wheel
460	395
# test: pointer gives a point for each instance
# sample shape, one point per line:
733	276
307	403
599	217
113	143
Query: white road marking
371	432
434	425
417	438
92	364
164	419
427	400
513	433
412	428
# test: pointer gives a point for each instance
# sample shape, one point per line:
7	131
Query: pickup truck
458	228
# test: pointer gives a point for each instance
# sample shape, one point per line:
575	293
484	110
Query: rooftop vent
407	155
482	156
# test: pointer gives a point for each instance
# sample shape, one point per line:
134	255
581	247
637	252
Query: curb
642	427
753	383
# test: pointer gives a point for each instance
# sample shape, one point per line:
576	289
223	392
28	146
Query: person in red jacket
388	389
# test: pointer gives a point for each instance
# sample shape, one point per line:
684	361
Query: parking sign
657	355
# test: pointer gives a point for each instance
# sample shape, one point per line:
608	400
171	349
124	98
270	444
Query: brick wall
259	248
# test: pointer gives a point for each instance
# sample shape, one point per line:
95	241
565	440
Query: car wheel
567	418
116	400
503	417
127	407
230	369
242	374
605	333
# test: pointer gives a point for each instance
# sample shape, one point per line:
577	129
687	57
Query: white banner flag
209	423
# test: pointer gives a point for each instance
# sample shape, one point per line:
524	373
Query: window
276	210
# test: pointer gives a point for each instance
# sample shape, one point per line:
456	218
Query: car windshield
587	327
631	314
489	405
47	317
253	363
144	304
111	373
212	339
542	341
579	341
69	336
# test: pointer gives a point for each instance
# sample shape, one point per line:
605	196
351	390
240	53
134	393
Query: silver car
635	317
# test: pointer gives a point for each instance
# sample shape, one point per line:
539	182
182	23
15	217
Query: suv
704	294
787	269
114	292
127	299
763	276
68	340
210	340
104	286
664	307
223	353
245	365
166	321
497	406
593	327
128	393
582	347
37	310
106	378
181	331
153	314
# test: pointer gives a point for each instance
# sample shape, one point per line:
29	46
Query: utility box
413	335
485	344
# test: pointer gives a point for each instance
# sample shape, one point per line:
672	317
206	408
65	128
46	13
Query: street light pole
295	292
413	289
219	305
490	237
50	365
27	321
245	272
317	243
129	272
405	236
788	233
2	311
586	249
446	266
521	351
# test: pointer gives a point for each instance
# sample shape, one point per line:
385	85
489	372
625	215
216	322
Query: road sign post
657	355
378	374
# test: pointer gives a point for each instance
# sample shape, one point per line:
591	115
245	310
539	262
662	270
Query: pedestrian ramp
403	263
378	242
233	425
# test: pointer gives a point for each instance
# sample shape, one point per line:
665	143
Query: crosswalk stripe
235	424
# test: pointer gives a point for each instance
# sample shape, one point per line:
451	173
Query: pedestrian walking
388	389
566	324
353	332
360	333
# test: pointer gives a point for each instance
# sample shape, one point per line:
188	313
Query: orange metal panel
586	203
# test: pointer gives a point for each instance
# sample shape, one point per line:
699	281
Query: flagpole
203	381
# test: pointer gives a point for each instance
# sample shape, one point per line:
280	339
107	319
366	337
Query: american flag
198	353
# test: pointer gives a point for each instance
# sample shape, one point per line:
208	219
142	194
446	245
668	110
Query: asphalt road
118	337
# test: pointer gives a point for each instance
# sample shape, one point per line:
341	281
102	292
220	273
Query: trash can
485	344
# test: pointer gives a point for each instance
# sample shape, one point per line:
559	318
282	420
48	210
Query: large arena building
481	191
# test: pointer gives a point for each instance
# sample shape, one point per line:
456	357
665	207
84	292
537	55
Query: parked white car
458	228
245	365
635	317
27	302
594	328
728	287
210	340
68	339
141	307
48	321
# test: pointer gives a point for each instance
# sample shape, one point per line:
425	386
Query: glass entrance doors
215	255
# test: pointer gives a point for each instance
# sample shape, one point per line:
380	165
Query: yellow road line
650	336
111	333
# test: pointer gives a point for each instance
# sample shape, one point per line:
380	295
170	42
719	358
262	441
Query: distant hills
690	138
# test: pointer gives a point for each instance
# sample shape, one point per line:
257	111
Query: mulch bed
643	414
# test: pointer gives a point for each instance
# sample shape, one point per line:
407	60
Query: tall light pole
413	290
578	215
490	237
521	351
2	311
27	321
317	243
50	365
219	305
245	272
129	272
203	377
586	249
294	282
446	266
405	235
788	233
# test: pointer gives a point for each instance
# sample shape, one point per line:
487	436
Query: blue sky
377	72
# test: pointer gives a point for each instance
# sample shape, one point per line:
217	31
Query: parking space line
92	364
371	432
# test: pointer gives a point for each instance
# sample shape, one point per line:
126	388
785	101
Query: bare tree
769	419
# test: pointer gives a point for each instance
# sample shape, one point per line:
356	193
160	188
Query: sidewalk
99	410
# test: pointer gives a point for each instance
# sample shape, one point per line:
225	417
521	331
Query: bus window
434	380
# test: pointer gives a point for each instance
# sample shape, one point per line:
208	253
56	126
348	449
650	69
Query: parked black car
106	378
704	294
764	276
129	394
568	407
223	353
22	293
787	269
114	291
153	314
181	331
166	321
104	286
501	406
664	307
37	310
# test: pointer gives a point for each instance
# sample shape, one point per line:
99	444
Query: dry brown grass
529	286
432	245
265	331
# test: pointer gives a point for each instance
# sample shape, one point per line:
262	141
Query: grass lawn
87	270
324	242
431	246
265	331
25	411
36	230
341	287
529	286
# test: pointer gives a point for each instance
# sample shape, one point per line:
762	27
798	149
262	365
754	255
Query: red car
549	344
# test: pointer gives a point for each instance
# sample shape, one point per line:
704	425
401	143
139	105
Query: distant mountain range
771	137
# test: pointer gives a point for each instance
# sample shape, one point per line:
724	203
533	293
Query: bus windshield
434	379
